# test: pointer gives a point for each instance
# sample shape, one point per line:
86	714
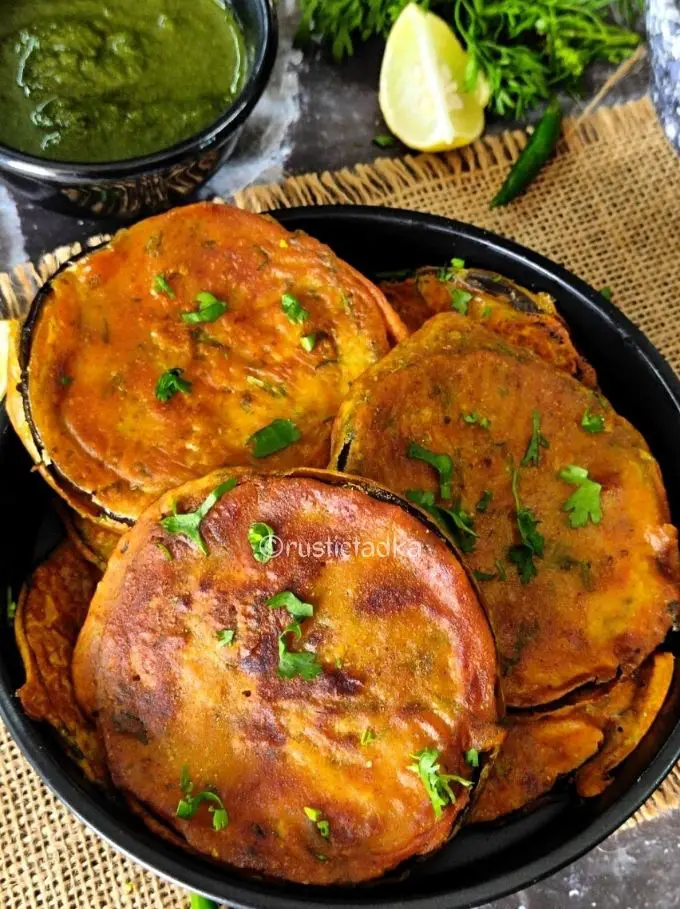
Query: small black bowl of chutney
124	108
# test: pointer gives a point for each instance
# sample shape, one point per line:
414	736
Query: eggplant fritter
522	317
298	680
595	733
203	337
51	611
555	501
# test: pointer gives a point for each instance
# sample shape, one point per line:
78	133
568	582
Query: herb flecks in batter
368	736
161	286
472	757
484	501
522	555
437	784
261	538
475	419
164	551
189	804
592	422
442	463
276	391
189	524
274	437
293	309
308	342
225	637
584	503
11	607
170	383
209	309
322	825
537	441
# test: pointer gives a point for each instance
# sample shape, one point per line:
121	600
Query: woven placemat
608	208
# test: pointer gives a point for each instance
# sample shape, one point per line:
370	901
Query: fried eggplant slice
51	611
321	692
203	337
94	542
522	317
555	500
594	733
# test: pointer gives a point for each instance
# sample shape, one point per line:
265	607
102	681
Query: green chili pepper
536	152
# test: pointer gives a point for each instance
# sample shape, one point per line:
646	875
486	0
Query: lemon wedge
421	85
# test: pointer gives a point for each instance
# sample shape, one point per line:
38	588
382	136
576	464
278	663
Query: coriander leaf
449	274
483	575
522	558
308	342
165	552
291	663
584	503
225	637
189	804
368	736
472	757
606	292
460	300
457	263
189	524
276	436
536	442
384	141
209	309
461	524
65	380
592	422
293	310
170	383
261	539
437	784
442	463
474	419
522	555
11	609
161	286
296	608
484	501
420	497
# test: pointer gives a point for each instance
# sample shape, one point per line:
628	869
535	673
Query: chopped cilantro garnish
484	501
170	383
322	825
65	380
457	263
261	539
472	757
606	292
209	309
189	804
11	609
225	637
308	342
522	554
293	663
293	310
474	419
368	736
486	312
483	575
584	503
161	286
536	442
460	300
296	608
448	274
592	422
455	519
189	524
386	140
421	497
276	436
442	463
437	784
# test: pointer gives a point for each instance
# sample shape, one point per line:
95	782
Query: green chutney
85	81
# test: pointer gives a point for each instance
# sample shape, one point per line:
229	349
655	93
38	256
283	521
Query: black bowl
481	863
141	186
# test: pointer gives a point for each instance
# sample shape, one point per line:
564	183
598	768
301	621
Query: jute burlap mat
608	207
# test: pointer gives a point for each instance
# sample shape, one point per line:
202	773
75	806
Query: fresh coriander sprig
189	524
584	503
537	441
437	784
189	804
533	543
261	538
442	463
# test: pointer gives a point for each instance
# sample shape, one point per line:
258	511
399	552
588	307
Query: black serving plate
481	863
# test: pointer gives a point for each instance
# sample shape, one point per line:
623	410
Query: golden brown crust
405	649
524	318
595	732
50	614
602	596
93	541
104	333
